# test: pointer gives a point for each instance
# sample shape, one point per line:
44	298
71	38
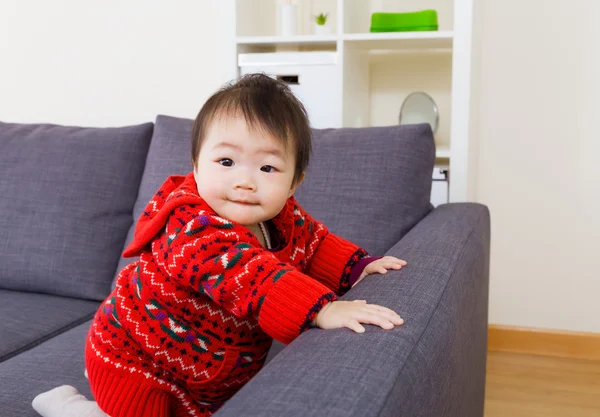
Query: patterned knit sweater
192	320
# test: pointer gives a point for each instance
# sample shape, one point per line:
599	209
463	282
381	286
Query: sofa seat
29	319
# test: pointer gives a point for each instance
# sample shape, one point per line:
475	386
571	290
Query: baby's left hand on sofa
380	266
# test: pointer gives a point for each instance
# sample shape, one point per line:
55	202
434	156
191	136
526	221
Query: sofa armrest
433	365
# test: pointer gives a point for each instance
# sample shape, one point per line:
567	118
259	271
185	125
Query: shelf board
287	40
387	41
401	40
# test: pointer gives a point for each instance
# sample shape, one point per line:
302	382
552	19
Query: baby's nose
245	184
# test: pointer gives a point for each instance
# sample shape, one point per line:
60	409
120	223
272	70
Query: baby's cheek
211	188
273	188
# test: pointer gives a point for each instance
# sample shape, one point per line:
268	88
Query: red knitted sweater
192	321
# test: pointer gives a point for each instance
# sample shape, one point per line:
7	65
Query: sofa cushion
29	319
169	154
56	362
370	185
66	198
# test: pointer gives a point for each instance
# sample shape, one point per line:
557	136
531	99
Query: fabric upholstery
370	185
29	318
66	199
452	244
58	361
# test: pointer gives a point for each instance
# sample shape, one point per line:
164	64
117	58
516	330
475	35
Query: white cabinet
439	185
309	75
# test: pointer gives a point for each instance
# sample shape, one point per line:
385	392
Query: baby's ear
295	185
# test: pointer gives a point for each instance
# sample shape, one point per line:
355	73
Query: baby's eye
226	162
268	168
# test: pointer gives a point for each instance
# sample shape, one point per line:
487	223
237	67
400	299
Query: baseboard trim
544	342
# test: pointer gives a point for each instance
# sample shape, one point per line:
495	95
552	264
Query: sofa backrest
369	185
169	154
66	199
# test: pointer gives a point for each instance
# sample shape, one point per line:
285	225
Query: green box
423	20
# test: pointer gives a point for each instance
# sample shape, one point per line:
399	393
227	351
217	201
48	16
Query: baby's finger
391	315
396	261
391	318
375	318
360	301
393	259
355	325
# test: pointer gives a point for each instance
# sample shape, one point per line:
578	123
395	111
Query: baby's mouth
244	202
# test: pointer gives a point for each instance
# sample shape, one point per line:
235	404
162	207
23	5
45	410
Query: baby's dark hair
265	103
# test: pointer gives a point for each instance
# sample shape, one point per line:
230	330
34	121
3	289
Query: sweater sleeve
221	261
332	258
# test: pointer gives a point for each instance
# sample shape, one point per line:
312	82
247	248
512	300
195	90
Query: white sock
66	401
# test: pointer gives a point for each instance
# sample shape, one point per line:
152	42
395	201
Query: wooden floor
530	386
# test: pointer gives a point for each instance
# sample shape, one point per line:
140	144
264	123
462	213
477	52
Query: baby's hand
380	266
351	313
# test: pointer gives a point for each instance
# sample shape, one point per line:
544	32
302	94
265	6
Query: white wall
539	161
111	63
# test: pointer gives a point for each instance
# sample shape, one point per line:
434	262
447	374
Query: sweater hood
176	191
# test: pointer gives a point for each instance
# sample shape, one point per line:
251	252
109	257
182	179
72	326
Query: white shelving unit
376	71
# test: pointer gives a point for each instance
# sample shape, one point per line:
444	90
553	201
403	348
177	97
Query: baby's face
244	176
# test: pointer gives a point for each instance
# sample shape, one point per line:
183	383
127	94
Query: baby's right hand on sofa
351	313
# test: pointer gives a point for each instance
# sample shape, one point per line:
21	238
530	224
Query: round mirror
419	108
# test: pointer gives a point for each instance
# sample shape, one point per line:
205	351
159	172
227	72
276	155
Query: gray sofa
69	198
